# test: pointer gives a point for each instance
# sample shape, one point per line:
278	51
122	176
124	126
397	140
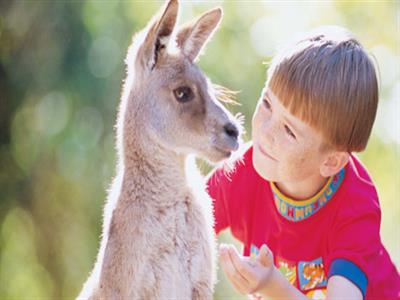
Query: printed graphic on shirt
317	294
300	210
311	274
254	251
288	270
308	276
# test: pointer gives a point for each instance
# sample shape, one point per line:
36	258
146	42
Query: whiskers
225	95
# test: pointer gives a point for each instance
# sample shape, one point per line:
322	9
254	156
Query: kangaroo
158	239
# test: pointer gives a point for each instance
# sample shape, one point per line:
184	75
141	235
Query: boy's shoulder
358	191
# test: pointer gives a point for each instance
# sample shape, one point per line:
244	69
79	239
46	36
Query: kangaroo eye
183	94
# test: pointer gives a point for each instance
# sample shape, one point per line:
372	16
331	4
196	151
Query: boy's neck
302	190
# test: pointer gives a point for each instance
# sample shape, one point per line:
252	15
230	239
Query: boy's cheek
254	124
256	132
258	115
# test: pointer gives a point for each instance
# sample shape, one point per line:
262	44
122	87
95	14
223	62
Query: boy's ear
192	36
333	163
158	35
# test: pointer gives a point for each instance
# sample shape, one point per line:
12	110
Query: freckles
305	160
304	154
303	157
297	162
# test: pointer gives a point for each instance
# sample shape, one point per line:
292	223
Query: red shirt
334	233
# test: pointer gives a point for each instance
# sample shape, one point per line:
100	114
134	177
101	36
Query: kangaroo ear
192	36
158	35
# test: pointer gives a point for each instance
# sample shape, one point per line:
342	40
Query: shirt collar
295	210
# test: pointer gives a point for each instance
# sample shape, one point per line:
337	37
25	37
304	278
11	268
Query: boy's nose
269	130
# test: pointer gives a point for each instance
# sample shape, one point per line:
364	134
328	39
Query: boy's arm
260	276
339	288
342	288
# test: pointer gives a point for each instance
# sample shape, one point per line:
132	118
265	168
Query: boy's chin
264	172
268	177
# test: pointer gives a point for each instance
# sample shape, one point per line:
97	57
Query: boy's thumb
265	256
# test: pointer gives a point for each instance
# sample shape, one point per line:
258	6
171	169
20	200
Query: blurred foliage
61	68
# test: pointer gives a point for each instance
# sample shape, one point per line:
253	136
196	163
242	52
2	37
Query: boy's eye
267	104
289	132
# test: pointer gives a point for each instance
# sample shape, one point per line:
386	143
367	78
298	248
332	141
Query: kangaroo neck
153	176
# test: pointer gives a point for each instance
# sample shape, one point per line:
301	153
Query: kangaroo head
173	100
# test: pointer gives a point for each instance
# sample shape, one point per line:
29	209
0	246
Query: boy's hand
248	275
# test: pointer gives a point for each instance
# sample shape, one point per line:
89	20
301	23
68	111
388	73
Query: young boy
304	207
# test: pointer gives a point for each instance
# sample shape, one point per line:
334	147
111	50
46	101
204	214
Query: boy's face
285	149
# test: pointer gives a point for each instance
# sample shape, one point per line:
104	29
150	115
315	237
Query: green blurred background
61	68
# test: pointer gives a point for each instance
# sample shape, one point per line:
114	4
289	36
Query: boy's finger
234	277
241	267
229	266
265	256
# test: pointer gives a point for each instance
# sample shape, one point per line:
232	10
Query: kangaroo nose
231	130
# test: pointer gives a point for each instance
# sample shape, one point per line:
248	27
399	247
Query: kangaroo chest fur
171	245
181	249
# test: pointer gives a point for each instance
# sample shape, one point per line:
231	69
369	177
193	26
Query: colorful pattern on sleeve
300	210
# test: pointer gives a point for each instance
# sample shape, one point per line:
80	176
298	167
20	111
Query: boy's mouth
265	153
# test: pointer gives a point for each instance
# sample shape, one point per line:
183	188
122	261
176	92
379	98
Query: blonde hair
328	80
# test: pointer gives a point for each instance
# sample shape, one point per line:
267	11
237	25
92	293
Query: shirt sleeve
353	242
231	189
218	186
